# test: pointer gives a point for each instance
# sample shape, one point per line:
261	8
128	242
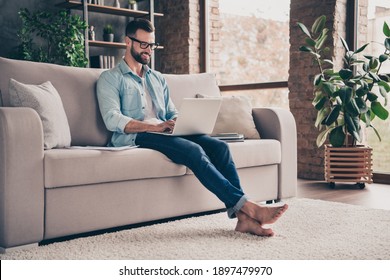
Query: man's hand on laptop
166	126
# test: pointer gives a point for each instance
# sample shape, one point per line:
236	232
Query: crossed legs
211	162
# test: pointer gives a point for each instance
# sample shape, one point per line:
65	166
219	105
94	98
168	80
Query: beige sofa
46	194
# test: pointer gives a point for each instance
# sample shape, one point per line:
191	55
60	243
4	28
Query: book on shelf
230	137
102	61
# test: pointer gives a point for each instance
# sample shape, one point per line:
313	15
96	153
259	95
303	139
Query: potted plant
51	37
345	99
108	33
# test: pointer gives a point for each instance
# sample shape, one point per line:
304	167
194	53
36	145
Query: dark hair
139	23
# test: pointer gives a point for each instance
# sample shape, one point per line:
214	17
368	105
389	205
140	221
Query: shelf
115	45
105	9
107	44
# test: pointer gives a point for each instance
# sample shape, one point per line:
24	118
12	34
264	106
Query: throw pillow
235	116
46	101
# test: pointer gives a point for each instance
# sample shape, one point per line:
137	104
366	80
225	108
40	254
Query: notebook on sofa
196	116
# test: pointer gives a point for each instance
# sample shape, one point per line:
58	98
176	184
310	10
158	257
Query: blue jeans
208	158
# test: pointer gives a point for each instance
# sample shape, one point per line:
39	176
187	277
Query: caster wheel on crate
361	185
332	185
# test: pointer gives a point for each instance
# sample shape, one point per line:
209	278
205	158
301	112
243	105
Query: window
249	44
371	16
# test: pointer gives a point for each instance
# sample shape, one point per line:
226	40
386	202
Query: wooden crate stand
348	164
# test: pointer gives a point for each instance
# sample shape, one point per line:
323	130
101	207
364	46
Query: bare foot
264	214
246	224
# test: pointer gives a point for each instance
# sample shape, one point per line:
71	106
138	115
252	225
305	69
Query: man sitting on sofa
134	100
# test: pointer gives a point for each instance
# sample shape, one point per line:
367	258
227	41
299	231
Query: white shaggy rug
310	229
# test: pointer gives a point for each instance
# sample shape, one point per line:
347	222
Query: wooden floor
373	195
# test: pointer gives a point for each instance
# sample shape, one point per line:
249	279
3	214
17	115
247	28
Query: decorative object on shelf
91	33
133	5
108	9
344	98
117	4
108	33
52	37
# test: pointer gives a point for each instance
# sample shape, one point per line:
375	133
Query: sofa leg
17	248
273	201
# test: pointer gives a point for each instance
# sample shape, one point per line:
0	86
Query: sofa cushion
235	116
254	152
70	167
44	99
189	85
76	86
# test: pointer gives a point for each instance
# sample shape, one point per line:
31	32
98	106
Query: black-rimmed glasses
145	45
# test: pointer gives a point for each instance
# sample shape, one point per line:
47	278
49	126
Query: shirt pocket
131	101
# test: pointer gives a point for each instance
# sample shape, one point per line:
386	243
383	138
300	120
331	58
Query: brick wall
302	71
179	33
214	38
181	54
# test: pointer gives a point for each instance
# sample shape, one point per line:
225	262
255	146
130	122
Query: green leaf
386	29
374	62
362	48
387	43
320	104
366	118
304	29
345	94
334	114
383	58
363	108
328	61
321	41
321	138
321	115
317	79
310	42
372	96
376	132
353	108
374	76
344	44
305	49
385	85
329	88
379	110
353	126
337	136
318	25
361	91
345	74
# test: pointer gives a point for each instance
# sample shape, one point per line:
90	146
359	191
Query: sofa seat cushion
70	167
254	152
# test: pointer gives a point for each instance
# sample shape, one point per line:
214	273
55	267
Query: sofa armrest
279	124
21	177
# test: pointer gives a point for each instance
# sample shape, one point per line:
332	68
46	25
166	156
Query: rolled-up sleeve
108	94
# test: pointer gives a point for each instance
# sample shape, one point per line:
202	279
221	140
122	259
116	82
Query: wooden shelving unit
77	5
86	8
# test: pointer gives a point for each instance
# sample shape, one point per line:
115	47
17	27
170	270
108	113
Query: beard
139	58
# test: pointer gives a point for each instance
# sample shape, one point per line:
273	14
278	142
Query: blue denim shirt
121	98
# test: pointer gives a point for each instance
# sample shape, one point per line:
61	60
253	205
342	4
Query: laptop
196	116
